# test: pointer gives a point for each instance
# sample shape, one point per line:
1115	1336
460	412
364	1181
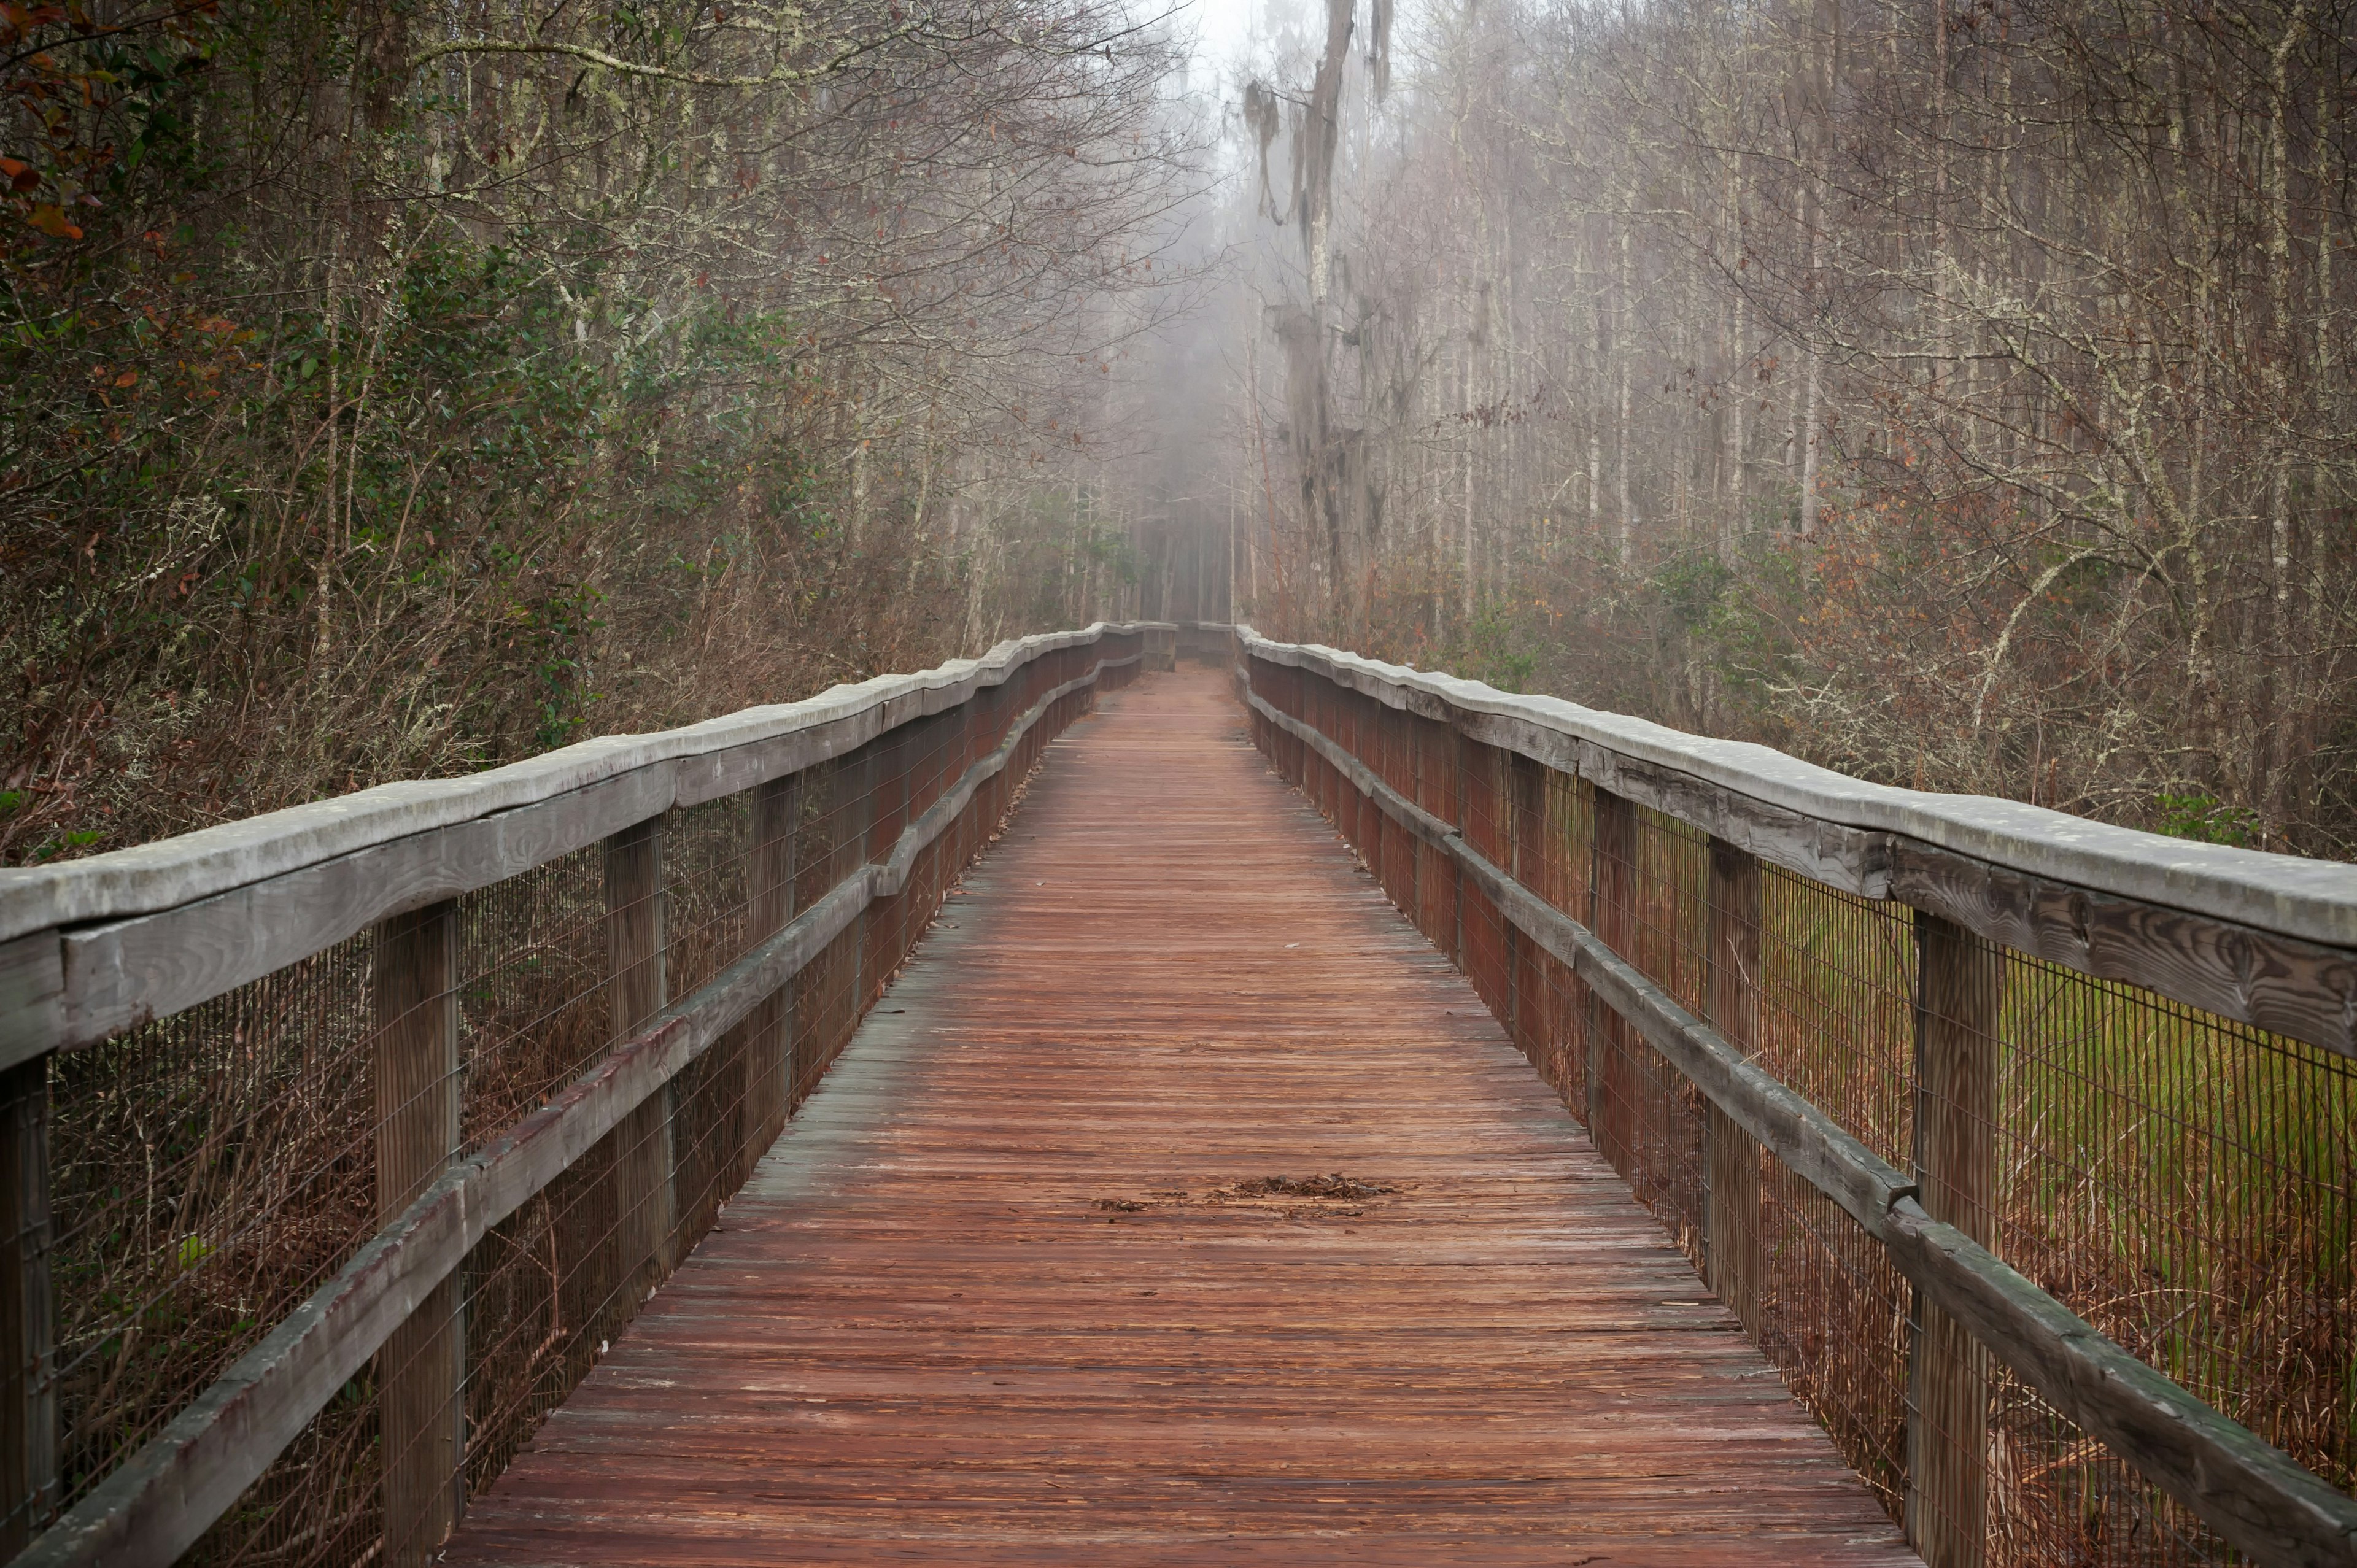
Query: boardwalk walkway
1003	1293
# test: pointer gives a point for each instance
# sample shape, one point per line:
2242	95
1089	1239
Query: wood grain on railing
2268	939
145	932
1734	1154
1957	988
419	1370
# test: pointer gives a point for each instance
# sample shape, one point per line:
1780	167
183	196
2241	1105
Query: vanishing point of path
1004	1292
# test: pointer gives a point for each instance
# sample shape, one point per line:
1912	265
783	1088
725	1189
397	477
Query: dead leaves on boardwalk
1331	1197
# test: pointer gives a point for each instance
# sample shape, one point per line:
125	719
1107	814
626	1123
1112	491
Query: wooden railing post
635	944
1733	1167
29	1405
770	904
1397	863
895	793
1526	836
1959	985
1612	916
1451	745
420	1369
862	828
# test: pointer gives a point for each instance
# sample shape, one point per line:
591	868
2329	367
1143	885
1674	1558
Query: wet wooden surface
1004	1292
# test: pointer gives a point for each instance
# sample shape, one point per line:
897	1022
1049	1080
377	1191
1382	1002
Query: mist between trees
1955	392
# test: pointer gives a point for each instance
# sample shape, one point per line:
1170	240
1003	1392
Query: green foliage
48	849
1498	649
2205	819
1692	588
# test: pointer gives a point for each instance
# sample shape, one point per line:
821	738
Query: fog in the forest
1955	392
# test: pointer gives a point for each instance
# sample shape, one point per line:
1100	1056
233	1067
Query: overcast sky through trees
1954	391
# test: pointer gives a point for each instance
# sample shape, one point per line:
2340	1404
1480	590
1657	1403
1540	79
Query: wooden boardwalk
1004	1292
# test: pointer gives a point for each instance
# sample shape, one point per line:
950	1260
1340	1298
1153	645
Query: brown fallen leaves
1332	1195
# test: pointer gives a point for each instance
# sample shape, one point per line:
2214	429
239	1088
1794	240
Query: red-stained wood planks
929	1330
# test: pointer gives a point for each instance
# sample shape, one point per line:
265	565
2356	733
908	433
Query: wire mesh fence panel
1653	907
2181	1181
2184	1183
540	1306
539	1293
533	1001
1836	1008
1833	1016
321	1502
209	1172
705	890
1434	747
206	1173
1485	946
1567	872
1832	1317
708	1138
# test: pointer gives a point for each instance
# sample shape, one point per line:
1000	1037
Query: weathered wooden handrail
2242	934
2267	940
100	946
93	947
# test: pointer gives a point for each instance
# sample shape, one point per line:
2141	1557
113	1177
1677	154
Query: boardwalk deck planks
930	1329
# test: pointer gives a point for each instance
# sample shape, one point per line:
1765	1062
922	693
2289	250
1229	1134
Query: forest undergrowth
389	392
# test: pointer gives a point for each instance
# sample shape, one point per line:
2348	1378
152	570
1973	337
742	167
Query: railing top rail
557	1075
151	877
2310	900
